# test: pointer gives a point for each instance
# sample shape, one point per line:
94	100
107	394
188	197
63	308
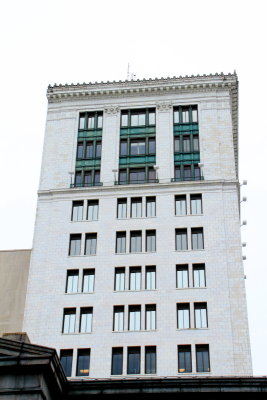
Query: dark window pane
80	150
75	245
177	148
133	360
122	208
197	239
117	361
90	243
152	146
184	359
187	172
195	143
88	177
89	150
186	144
66	361
177	173
203	362
151	175
98	149
150	360
137	175
197	172
122	176
135	241
97	176
123	148
78	178
120	242
83	362
137	147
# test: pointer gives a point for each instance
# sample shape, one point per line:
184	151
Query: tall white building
136	267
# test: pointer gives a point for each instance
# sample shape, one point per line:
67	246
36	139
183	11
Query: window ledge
192	329
85	220
134	218
134	291
140	330
138	252
83	255
80	293
192	287
189	215
76	333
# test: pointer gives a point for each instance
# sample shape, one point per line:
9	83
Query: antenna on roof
130	76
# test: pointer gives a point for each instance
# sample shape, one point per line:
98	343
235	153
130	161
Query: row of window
184	354
135	281
138	147
142	117
134	318
135	244
139	207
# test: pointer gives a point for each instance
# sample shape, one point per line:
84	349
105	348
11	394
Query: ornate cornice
164	106
149	87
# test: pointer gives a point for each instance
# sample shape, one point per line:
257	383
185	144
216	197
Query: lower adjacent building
136	269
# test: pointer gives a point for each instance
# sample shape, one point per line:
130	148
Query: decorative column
111	142
164	141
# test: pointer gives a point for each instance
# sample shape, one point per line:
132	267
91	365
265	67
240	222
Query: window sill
76	333
83	255
86	220
189	215
193	373
192	329
135	291
134	218
80	293
192	287
137	252
140	330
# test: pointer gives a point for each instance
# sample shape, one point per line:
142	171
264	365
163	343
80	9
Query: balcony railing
188	178
75	185
136	181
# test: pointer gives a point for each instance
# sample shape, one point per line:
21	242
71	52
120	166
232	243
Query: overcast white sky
63	41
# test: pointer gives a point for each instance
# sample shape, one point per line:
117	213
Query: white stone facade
227	333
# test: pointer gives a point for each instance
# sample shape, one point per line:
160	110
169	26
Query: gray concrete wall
14	269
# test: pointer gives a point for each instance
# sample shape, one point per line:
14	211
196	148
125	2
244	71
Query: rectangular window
135	278
75	244
78	179
88	178
194	114
69	317
187	173
137	147
100	121
119	279
184	359
90	244
151	146
83	362
98	149
92	210
199	275
80	150
89	150
181	239
196	203
122	176
118	318
120	242
86	319
151	241
183	316
150	360
177	146
203	358
123	148
176	117
152	118
88	280
177	174
186	144
77	211
150	317
117	361
151	206
124	119
136	207
201	318
91	122
137	175
197	239
195	143
182	280
136	241
133	364
180	205
185	115
66	357
82	121
72	281
134	318
138	119
150	277
122	208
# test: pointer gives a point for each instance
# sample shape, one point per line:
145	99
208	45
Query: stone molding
112	110
164	107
